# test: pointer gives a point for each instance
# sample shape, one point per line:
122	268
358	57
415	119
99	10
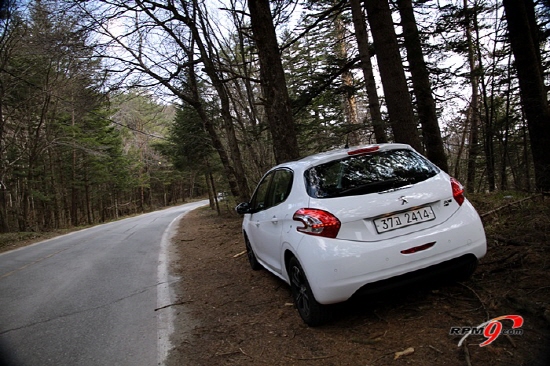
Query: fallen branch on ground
310	358
233	353
467	354
479	298
435	349
176	303
239	254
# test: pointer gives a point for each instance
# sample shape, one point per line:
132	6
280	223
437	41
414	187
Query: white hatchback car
354	221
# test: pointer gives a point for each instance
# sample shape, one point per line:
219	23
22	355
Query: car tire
254	264
466	271
310	310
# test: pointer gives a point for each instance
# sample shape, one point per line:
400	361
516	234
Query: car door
265	225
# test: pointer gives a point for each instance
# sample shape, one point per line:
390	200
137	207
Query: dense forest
114	107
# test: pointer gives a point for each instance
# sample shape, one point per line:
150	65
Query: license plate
404	219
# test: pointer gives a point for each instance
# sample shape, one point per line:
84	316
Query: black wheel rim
299	286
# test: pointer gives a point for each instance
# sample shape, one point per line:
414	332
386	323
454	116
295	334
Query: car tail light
458	191
365	150
317	222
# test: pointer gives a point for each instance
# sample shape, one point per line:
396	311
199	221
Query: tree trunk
236	173
532	89
89	210
458	158
361	34
422	88
212	194
348	91
473	114
4	227
505	138
55	206
232	142
527	175
248	117
488	106
74	195
276	100
218	146
216	142
392	74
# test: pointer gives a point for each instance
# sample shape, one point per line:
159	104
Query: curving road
89	297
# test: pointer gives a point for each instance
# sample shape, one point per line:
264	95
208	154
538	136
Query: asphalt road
89	297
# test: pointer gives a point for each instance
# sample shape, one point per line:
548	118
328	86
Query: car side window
280	186
260	199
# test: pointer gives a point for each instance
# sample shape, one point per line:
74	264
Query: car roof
324	157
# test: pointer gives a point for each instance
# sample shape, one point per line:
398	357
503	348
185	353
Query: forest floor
231	315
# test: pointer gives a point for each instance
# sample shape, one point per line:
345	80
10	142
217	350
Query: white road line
165	295
165	313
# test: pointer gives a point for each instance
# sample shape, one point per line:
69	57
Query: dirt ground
231	315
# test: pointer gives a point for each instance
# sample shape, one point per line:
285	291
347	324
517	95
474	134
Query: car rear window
369	173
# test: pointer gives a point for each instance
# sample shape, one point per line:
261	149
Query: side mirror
243	208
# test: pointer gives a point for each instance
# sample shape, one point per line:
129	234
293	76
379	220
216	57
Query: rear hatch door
382	194
392	213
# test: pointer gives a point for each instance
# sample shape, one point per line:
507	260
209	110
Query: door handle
257	223
274	219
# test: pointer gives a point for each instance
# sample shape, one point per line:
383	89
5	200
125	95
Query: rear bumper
337	269
436	273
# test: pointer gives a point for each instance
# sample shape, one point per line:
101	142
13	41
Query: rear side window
370	173
281	184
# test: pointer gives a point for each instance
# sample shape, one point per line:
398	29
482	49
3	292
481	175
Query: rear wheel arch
311	312
288	255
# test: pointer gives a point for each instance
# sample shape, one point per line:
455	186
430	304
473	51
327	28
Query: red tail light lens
458	191
317	222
